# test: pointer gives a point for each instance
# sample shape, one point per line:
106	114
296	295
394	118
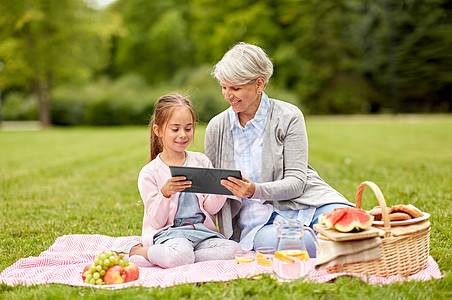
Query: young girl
178	228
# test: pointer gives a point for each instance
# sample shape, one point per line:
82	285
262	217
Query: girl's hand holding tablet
175	185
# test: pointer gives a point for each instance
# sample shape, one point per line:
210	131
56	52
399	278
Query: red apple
84	270
132	272
114	275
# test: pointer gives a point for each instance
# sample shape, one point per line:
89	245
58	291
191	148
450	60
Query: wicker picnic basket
404	254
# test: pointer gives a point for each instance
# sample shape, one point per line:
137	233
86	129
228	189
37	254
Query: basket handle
381	201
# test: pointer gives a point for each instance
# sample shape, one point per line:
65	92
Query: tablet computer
205	180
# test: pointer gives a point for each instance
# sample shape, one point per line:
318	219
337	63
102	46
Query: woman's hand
244	188
175	185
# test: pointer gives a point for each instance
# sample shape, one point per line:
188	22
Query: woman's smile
243	98
234	103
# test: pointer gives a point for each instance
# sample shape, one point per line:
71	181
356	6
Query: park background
74	62
373	79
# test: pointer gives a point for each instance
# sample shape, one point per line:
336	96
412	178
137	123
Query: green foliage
421	37
218	25
157	43
50	42
346	93
123	102
19	106
130	100
126	101
83	181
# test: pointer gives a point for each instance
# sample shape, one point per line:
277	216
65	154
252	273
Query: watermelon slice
323	217
334	217
346	219
354	218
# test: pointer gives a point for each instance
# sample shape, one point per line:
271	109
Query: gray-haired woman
266	139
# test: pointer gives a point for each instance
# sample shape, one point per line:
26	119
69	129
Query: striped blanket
64	261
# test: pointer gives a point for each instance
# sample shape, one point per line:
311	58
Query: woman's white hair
243	64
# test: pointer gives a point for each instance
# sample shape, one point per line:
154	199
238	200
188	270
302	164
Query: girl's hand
175	185
244	188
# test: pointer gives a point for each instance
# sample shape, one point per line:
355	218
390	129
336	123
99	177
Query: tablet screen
205	180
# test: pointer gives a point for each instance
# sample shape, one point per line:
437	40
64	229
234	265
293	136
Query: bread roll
413	211
399	216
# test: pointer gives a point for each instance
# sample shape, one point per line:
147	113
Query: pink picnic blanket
65	260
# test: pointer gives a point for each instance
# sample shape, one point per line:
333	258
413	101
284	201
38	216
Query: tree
421	45
311	43
218	25
48	42
157	44
333	56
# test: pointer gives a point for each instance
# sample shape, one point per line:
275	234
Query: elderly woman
266	140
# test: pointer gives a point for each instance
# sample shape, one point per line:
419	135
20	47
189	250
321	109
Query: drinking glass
245	263
264	258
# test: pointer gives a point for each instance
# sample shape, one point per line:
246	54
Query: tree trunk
42	93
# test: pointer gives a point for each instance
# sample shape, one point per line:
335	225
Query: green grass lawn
83	181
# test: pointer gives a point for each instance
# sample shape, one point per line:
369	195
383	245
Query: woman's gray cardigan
287	181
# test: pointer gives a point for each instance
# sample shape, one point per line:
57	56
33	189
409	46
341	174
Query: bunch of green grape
94	273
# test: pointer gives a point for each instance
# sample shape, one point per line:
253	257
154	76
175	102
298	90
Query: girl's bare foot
139	250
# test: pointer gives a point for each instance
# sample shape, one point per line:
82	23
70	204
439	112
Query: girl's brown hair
163	110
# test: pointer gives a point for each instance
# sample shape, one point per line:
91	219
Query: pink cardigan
159	211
